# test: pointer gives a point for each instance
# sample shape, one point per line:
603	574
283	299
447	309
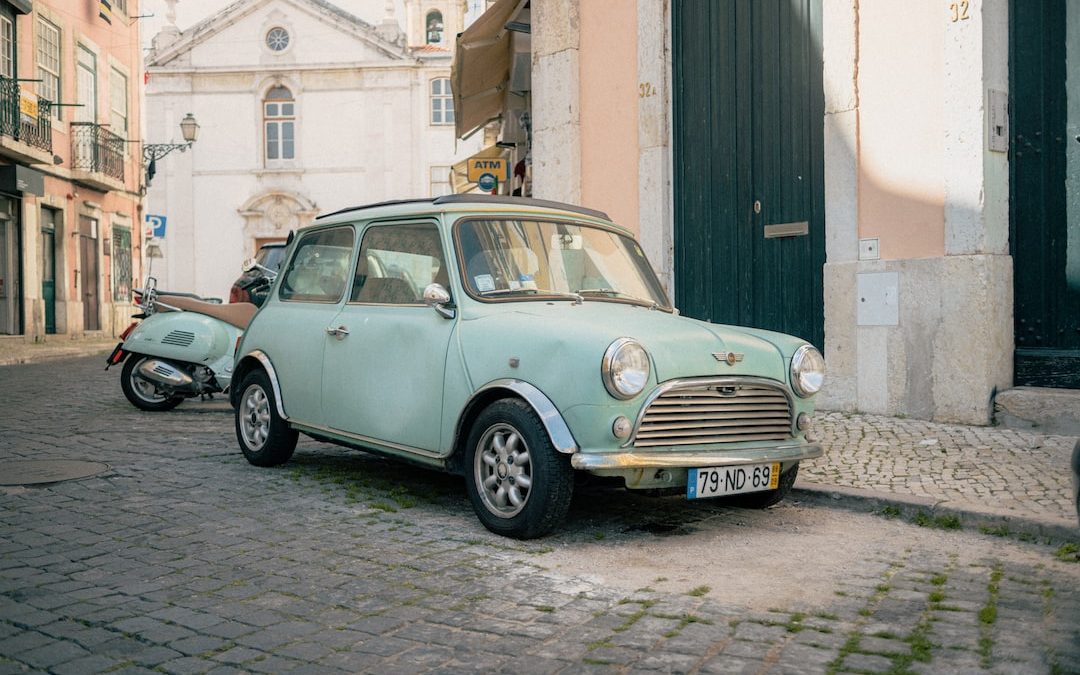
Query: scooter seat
236	314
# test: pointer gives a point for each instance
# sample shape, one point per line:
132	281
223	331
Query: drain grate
39	471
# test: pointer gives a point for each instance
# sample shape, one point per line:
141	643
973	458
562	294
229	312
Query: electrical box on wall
869	249
997	120
878	299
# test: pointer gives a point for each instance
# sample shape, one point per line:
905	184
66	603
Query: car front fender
549	415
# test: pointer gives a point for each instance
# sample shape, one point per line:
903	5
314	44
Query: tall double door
1044	182
748	178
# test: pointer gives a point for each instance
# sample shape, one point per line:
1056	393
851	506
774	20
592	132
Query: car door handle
340	332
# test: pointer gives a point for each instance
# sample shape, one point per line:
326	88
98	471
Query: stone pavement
182	558
990	476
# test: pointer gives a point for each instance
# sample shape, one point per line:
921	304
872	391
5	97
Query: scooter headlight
625	369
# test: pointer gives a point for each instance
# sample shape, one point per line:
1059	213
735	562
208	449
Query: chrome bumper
688	458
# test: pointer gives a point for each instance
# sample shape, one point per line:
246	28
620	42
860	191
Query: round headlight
625	369
807	371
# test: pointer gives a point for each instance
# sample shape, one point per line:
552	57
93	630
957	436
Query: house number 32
959	10
646	89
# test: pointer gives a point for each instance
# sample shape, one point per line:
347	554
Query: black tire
141	393
763	500
495	484
265	438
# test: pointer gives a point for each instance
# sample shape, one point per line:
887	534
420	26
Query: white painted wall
363	135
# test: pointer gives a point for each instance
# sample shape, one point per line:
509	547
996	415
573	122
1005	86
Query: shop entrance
749	187
1044	184
10	269
88	273
48	267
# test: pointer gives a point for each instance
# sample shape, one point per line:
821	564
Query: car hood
679	346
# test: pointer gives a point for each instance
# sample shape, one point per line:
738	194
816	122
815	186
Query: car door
293	332
384	364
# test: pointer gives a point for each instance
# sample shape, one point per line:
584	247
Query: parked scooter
182	347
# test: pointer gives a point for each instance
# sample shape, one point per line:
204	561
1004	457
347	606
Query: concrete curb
974	516
30	353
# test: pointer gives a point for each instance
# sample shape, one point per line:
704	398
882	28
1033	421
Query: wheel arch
553	422
256	360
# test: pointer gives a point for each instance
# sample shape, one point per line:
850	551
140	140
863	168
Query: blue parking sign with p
155	225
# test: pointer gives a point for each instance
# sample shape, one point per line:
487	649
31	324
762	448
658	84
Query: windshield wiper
606	291
509	291
611	292
533	291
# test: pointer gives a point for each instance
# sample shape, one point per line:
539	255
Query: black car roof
478	199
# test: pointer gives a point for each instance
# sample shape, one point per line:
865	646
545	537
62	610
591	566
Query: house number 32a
646	89
959	10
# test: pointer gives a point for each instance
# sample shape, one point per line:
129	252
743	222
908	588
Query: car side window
396	263
319	270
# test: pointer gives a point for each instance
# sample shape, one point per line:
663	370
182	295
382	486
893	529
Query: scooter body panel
187	337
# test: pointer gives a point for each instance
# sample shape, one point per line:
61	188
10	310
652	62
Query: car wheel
143	394
519	484
761	500
265	438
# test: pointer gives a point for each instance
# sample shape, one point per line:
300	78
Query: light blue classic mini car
515	341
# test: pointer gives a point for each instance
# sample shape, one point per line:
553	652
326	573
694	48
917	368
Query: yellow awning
481	67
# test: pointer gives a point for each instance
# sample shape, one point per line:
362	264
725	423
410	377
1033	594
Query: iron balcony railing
95	148
35	131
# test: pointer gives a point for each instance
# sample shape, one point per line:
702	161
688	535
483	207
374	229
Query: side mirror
437	297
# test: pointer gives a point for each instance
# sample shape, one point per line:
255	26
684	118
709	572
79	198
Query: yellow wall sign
499	168
28	105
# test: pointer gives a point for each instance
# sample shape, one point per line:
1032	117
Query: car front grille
701	413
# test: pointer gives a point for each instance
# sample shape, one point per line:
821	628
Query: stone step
1040	409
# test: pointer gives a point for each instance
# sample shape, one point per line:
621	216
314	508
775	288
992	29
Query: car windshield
519	258
270	256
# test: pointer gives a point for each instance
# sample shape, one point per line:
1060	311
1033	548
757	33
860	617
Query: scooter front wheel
143	394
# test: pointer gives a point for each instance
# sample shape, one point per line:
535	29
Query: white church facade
302	109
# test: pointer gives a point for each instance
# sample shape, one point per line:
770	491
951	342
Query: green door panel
1044	185
749	163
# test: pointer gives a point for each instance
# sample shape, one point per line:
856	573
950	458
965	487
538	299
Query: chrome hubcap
503	470
255	417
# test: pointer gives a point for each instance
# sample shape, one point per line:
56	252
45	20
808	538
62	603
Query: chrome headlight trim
612	369
807	371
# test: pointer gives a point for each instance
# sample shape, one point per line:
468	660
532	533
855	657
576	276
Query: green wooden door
1044	182
749	169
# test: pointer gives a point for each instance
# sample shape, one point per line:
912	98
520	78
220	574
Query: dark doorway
749	163
48	267
1044	184
88	281
11	296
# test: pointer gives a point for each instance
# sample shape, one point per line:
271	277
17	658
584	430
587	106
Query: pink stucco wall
609	101
901	141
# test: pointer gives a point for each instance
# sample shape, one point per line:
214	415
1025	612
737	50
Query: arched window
434	25
279	124
442	101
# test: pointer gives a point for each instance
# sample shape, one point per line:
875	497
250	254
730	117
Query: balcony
97	156
25	125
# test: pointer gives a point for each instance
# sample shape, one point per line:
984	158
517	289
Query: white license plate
732	480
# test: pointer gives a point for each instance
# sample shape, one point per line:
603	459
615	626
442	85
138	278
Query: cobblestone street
183	558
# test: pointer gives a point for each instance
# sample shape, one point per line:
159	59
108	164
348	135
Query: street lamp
155	151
